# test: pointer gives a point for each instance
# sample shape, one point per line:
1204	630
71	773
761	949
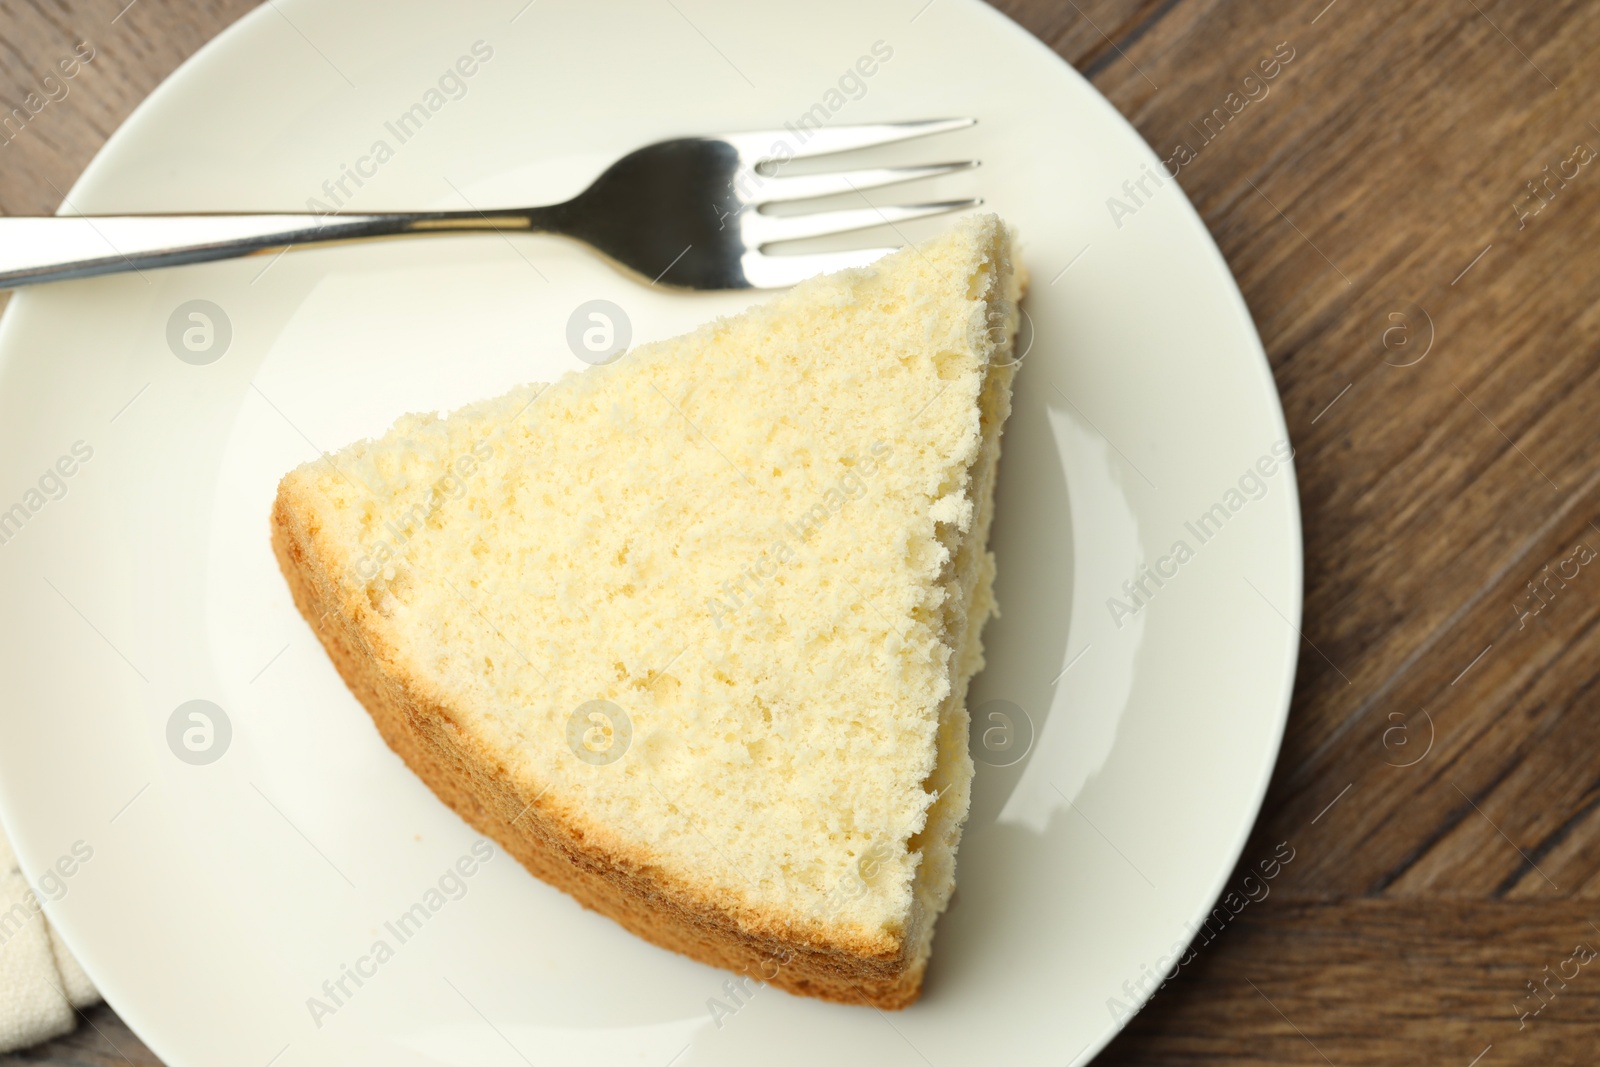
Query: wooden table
1432	322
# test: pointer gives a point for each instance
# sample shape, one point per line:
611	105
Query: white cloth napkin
40	983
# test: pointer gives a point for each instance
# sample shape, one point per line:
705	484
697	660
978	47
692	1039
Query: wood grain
1382	174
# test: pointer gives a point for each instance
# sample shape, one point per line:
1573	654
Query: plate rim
177	82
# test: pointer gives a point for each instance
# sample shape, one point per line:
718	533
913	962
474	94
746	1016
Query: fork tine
807	186
764	271
760	230
757	146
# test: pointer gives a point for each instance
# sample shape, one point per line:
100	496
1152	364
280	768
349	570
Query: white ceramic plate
219	897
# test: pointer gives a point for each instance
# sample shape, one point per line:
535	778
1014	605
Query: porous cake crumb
690	634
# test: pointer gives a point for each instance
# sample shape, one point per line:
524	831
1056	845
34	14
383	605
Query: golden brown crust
473	781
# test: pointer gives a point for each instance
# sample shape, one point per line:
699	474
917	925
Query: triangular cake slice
690	633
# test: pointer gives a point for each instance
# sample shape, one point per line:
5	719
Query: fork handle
78	246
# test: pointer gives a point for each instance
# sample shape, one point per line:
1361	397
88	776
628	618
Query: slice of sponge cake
690	633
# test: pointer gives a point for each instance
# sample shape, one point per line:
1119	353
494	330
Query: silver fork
690	212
